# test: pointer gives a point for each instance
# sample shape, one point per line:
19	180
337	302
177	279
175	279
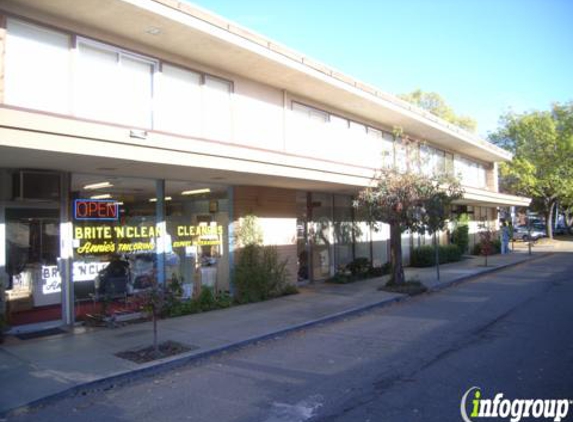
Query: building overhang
480	197
195	35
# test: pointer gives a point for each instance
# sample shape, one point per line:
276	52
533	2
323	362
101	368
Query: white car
524	233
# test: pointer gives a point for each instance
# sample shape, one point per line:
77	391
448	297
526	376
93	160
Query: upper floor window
37	67
471	173
310	112
217	107
432	160
101	82
113	85
178	102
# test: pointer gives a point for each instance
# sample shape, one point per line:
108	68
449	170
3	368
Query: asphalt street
510	332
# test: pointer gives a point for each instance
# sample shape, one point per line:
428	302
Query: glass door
32	250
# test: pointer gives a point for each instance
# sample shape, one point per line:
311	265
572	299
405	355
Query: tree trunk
396	254
549	218
569	219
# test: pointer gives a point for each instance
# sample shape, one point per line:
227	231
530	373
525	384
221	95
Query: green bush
359	266
359	269
379	271
259	274
224	300
461	237
425	256
450	253
206	299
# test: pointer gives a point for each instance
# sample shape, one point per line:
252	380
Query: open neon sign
96	209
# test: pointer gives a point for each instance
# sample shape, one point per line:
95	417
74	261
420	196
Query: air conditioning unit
36	185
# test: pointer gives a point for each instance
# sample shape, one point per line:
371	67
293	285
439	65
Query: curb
125	377
491	270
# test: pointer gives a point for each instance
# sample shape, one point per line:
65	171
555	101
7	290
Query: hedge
425	256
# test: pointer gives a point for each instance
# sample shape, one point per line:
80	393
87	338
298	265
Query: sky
485	57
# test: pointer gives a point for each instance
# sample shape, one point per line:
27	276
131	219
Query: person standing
504	238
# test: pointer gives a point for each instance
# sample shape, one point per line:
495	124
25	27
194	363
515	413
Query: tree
435	104
435	214
154	300
542	145
485	242
407	200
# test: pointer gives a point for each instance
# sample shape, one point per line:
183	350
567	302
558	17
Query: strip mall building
147	128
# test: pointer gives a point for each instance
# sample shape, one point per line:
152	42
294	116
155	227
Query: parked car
538	231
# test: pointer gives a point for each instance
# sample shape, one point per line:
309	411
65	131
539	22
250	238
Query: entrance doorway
33	290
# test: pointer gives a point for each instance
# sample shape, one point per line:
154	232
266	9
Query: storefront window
302	246
321	236
345	230
114	238
197	227
363	236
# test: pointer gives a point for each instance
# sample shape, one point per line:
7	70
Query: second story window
101	82
37	67
113	85
217	103
311	113
178	106
471	173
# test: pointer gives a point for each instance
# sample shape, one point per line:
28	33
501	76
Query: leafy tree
435	104
438	194
542	167
407	200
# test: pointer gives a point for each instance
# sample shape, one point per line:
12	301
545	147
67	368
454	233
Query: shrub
289	289
359	266
224	300
425	256
206	299
495	248
259	274
379	271
461	237
450	253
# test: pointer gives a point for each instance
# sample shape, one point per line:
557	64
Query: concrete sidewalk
37	371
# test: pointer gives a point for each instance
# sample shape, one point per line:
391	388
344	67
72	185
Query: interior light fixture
196	191
99	185
102	196
167	198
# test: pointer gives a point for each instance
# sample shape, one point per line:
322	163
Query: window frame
120	53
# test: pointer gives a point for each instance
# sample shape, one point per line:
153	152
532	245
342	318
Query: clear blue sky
483	56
